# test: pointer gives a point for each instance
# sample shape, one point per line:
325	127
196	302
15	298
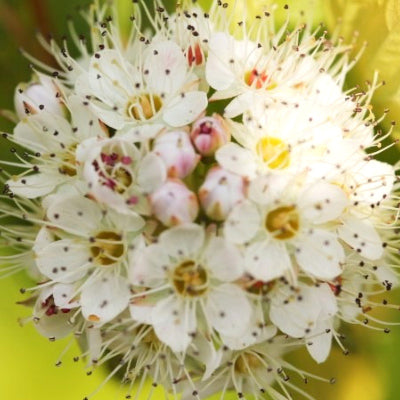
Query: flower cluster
199	199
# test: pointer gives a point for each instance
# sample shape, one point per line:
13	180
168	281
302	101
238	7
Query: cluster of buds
197	203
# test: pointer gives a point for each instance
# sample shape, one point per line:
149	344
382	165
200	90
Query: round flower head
199	199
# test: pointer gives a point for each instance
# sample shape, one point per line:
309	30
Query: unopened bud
177	152
209	134
220	191
173	203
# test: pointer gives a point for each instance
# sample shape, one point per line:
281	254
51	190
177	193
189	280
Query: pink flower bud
173	203
220	191
209	134
177	152
34	97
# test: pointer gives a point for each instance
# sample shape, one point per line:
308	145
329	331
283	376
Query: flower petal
361	235
185	108
63	261
73	213
243	223
322	202
183	241
174	323
104	298
224	260
229	310
320	254
267	260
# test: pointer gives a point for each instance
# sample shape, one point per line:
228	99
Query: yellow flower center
283	222
190	279
107	247
274	152
144	107
68	167
247	362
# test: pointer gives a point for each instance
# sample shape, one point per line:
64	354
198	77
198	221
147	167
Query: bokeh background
27	361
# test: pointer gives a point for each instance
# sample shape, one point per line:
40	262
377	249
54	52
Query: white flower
53	141
159	87
192	276
286	224
119	174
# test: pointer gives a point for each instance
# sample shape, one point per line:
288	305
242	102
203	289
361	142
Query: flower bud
173	203
209	134
34	97
220	191
177	152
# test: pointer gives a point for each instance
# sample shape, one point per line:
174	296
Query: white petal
205	352
224	260
63	261
236	159
174	322
152	173
185	108
374	181
267	260
148	266
74	213
109	77
103	299
183	241
33	186
218	73
165	66
84	120
322	202
229	310
243	223
63	295
141	313
361	235
320	343
37	132
320	254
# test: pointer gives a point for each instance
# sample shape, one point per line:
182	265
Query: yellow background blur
27	370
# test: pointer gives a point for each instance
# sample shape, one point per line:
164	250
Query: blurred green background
27	361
